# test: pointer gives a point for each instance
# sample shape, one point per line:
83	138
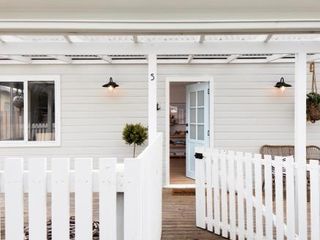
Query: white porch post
152	96
301	140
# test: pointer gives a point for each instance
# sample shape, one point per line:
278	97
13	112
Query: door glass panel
192	115
201	98
200	132
193	99
200	115
193	131
11	111
41	111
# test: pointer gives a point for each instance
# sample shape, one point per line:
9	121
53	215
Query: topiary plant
135	134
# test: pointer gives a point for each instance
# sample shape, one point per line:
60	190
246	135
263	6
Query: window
29	110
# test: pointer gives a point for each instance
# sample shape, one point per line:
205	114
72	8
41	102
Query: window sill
17	144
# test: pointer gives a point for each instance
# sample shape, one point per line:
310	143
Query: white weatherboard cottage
205	88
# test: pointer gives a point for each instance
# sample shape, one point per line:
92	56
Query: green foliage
135	134
313	98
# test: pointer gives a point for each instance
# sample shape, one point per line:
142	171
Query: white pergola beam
67	38
106	58
161	48
62	58
135	39
282	26
190	58
18	58
231	58
275	57
269	36
202	38
314	57
152	96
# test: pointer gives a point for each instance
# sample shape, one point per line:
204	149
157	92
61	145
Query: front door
197	123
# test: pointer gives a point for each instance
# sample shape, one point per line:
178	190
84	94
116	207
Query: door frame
191	79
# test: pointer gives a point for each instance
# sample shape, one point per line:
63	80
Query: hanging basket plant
313	99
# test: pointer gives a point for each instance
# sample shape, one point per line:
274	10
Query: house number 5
152	76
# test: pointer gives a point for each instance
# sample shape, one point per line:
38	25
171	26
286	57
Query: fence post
200	172
132	199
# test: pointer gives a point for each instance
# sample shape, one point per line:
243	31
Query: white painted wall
249	112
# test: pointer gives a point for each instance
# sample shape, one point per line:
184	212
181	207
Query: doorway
188	126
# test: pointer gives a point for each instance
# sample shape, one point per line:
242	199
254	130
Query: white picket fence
243	196
139	179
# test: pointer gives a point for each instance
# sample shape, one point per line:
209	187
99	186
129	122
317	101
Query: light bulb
283	88
110	88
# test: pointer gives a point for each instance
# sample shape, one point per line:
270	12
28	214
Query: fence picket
37	198
231	186
208	164
132	200
290	198
279	197
224	207
268	182
107	198
302	200
315	200
240	196
249	194
258	195
13	186
83	198
216	190
201	193
60	198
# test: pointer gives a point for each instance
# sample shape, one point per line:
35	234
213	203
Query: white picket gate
138	179
244	196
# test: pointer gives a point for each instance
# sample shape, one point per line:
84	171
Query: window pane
11	111
193	99
41	111
200	115
200	98
200	132
192	115
193	131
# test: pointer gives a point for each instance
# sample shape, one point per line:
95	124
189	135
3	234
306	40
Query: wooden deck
178	172
179	221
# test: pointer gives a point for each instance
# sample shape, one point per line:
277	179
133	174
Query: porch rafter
160	48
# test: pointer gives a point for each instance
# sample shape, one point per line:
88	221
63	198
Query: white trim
38	78
175	48
160	26
182	78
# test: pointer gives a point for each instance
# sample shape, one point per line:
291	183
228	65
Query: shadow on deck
179	220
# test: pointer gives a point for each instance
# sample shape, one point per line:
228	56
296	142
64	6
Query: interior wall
249	111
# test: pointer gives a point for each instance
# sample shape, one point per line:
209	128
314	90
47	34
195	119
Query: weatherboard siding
249	112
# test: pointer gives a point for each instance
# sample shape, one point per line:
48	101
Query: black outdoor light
111	85
282	84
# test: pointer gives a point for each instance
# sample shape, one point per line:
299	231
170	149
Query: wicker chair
313	152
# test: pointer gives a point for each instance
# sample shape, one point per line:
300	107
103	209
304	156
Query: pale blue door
197	123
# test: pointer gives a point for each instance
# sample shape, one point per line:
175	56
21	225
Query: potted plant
135	134
313	99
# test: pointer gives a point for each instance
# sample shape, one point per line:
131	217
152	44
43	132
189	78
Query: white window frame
36	78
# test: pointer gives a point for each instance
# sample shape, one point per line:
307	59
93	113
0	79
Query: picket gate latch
198	155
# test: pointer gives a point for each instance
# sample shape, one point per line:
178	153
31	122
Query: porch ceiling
28	41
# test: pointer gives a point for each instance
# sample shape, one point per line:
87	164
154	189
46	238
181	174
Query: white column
300	136
152	96
300	107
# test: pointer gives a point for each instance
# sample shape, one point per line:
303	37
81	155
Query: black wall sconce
282	85
111	85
